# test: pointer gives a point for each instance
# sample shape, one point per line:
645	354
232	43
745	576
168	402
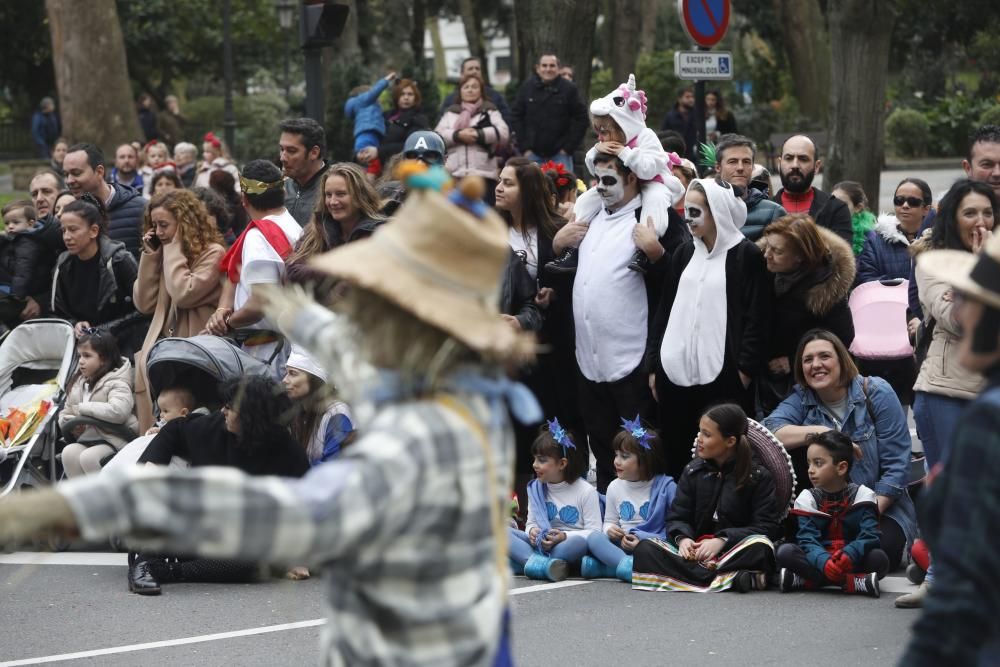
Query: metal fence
15	140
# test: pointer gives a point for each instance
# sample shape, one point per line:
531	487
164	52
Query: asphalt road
53	610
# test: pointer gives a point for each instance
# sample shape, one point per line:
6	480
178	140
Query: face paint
609	186
693	215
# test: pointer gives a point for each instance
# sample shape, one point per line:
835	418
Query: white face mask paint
694	215
610	185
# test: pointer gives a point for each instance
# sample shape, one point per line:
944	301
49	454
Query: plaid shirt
402	519
961	521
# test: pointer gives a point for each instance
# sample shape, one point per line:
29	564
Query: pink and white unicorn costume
643	154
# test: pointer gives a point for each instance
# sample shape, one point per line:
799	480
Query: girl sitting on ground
722	520
320	422
637	503
563	509
101	389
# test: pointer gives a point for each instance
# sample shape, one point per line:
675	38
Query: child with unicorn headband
619	119
636	507
563	509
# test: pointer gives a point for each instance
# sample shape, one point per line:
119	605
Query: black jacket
707	502
303	274
748	306
202	440
761	212
517	294
829	212
125	214
818	300
549	117
24	264
116	310
397	129
685	125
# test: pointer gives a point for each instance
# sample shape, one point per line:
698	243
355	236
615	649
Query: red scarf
232	262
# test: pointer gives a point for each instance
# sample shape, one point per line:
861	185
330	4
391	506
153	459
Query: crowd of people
673	313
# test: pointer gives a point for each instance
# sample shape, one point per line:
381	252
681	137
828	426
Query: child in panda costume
619	119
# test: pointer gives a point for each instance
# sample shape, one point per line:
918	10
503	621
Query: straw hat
440	262
978	276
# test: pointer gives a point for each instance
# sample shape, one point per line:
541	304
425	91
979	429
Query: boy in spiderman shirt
838	540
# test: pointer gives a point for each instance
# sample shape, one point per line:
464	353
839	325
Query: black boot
639	263
566	262
140	578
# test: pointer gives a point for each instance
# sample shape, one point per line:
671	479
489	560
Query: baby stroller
37	358
879	312
200	364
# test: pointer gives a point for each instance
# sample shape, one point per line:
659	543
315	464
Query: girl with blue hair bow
563	509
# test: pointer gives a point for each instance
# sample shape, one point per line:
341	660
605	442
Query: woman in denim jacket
830	394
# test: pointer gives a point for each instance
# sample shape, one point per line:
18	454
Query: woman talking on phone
178	282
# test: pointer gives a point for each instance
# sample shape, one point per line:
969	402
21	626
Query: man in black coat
799	165
549	117
680	119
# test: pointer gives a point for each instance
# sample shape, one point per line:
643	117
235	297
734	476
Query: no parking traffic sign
705	21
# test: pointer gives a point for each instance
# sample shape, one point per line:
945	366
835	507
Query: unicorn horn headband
634	428
560	435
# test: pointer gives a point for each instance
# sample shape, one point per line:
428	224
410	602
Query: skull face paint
610	185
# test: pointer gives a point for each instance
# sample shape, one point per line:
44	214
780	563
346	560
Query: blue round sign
705	21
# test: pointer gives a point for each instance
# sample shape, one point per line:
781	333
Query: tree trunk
95	97
860	32
440	60
473	24
626	38
807	50
647	36
417	30
562	27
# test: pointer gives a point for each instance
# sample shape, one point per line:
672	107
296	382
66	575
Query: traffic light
322	23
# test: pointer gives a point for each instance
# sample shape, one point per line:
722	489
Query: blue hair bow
560	435
635	429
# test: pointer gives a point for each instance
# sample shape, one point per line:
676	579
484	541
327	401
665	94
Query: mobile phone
154	242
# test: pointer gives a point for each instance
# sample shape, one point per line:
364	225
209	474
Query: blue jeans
936	417
572	549
604	550
559	158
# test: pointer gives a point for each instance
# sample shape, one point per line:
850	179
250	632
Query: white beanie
300	360
626	105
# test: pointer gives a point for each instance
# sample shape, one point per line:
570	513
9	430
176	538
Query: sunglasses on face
91	331
913	202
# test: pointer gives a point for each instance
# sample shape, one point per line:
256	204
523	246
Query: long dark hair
732	423
307	412
105	346
536	205
945	233
262	407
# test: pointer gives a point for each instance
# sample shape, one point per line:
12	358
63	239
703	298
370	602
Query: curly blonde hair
364	196
193	224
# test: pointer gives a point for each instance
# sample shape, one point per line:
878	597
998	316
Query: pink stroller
879	312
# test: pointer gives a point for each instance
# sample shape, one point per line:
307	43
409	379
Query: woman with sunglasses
709	335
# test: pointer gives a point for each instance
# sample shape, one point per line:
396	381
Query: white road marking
164	644
92	560
87	558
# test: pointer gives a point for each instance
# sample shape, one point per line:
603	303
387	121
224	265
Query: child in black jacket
24	279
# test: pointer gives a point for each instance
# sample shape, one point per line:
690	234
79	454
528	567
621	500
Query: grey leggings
79	460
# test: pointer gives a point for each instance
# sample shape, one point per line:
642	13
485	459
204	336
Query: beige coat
941	373
110	400
180	297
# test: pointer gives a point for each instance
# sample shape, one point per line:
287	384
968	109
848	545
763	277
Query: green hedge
906	131
257	119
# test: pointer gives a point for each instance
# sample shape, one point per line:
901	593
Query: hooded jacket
125	214
109	400
549	117
707	502
24	264
886	254
941	373
761	212
365	110
818	300
714	308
